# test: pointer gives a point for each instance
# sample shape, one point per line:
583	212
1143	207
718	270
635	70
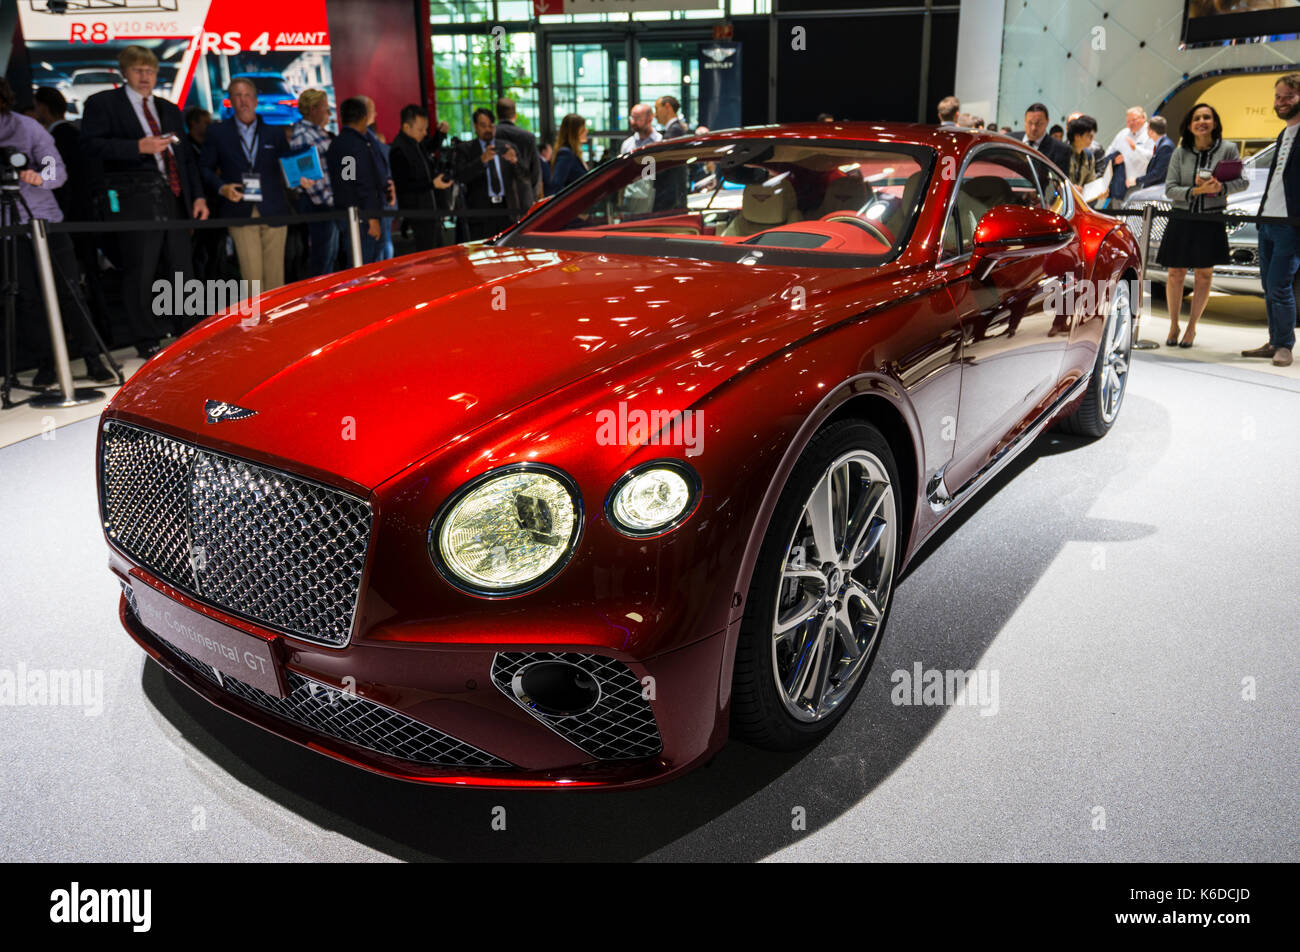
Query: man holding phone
127	131
486	168
241	160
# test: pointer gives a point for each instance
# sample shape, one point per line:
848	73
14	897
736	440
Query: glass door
591	79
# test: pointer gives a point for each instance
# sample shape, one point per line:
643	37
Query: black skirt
1193	244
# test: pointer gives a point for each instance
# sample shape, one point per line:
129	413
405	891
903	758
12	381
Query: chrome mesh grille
356	720
620	727
281	550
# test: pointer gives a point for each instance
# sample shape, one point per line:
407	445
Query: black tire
758	713
1091	417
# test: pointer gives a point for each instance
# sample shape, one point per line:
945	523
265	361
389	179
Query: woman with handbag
1203	171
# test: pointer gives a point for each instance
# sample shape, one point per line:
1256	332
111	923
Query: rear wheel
1100	406
821	590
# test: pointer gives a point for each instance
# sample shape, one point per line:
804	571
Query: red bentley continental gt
569	507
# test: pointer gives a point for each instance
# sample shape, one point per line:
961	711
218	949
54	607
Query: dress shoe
147	349
1265	351
44	377
1282	357
97	372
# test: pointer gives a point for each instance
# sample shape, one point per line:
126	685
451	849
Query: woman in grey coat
1192	186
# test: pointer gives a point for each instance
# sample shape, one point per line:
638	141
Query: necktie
173	175
495	191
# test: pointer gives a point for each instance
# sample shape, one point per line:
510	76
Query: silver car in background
1241	275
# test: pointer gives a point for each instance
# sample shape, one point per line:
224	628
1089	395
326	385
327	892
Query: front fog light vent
555	688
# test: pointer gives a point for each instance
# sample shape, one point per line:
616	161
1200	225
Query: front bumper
440	700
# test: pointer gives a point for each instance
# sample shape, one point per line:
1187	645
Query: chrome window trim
945	259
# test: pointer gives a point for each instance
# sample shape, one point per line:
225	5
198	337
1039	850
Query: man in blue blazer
241	162
1158	167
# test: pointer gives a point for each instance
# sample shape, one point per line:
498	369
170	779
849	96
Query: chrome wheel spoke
867	528
796	615
847	632
821	514
859	591
796	683
825	658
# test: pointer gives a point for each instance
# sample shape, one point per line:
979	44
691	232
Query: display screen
1214	21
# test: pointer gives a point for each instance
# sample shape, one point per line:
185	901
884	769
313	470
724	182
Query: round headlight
507	531
653	498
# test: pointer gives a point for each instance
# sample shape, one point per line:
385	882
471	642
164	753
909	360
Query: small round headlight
653	498
508	531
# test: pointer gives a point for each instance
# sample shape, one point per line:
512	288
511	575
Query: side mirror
538	204
1014	231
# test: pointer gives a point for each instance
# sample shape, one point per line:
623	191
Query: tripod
11	200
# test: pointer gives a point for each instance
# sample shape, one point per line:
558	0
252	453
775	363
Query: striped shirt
309	134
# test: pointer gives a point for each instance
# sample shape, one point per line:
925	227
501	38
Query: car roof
908	133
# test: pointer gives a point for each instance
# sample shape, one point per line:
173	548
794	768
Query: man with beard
1279	245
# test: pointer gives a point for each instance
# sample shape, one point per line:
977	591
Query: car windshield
778	201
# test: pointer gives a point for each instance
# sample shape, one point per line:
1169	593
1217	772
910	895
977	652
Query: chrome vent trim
620	727
357	720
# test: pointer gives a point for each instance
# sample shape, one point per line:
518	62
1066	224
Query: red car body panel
401	381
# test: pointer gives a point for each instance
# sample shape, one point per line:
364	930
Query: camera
12	161
442	160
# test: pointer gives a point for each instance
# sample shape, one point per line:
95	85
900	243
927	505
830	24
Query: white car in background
86	82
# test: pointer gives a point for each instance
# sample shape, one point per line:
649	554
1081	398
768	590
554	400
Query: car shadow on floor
955	599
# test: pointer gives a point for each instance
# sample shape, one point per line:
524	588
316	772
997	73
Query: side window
995	177
1055	191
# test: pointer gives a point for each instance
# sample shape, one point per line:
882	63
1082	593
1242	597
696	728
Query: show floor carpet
1135	598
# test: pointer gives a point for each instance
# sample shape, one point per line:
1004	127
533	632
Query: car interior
772	195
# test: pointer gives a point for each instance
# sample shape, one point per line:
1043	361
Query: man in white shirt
1134	145
1279	244
643	129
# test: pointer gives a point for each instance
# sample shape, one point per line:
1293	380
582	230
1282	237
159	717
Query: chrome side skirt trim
937	492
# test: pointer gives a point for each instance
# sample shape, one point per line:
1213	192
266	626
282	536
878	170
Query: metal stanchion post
68	396
354	235
1148	215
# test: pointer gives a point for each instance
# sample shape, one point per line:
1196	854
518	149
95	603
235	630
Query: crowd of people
133	156
1199	171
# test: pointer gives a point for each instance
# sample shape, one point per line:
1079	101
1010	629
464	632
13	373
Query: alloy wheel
836	579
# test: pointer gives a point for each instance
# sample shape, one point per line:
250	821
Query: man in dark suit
529	179
1158	167
128	129
670	184
1279	244
1035	136
357	175
413	177
487	172
241	160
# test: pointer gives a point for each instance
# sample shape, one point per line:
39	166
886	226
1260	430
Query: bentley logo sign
219	411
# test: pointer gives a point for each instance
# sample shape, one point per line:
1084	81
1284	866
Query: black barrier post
68	396
1148	214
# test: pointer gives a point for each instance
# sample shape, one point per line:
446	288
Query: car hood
358	375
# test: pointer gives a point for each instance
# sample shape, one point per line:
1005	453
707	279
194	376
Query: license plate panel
236	654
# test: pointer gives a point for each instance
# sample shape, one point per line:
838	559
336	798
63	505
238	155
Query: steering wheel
873	228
